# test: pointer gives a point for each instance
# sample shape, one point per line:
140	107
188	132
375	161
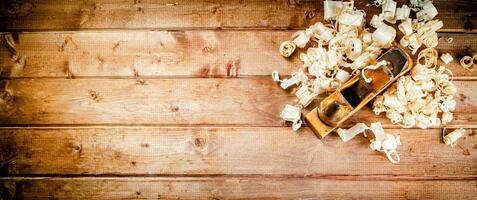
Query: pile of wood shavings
339	50
344	47
425	97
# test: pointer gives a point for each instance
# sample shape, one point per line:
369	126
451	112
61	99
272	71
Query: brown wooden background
185	107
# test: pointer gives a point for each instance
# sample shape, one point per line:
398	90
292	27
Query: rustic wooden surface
174	99
254	101
44	15
198	53
234	188
202	151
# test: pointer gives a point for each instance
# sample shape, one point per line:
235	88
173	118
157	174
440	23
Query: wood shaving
322	33
384	142
406	27
446	117
276	76
348	134
469	63
372	67
418	33
379	140
384	36
446	58
389	10
403	13
333	8
292	114
302	38
427	57
376	21
449	40
287	48
296	79
428	11
342	76
451	138
305	94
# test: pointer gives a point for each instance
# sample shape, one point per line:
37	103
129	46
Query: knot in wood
199	142
310	14
6	96
77	147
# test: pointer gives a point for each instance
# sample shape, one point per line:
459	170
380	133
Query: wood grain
458	15
183	102
227	151
202	53
231	188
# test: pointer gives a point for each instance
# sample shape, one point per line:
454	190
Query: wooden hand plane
356	93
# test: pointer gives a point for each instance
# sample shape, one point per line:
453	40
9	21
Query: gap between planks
455	78
191	126
343	177
180	29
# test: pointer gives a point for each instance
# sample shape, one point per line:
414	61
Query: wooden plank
182	102
173	53
231	188
226	151
147	14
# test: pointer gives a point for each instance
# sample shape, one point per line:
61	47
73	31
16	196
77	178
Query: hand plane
357	92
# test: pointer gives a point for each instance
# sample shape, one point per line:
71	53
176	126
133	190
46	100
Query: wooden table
174	99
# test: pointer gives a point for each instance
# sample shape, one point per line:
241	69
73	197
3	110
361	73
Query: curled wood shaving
276	76
379	140
372	67
428	11
446	117
348	134
406	27
287	48
302	38
322	33
333	8
446	58
403	13
389	10
342	76
296	79
449	40
469	63
351	17
305	94
427	57
385	142
451	138
384	36
418	33
292	114
418	3
376	21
